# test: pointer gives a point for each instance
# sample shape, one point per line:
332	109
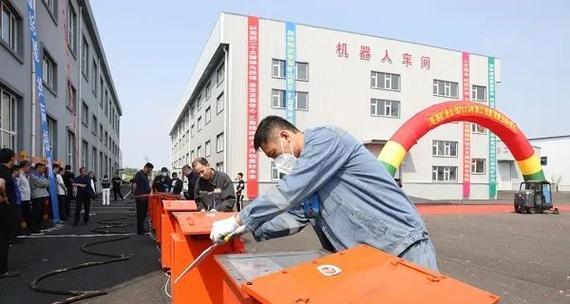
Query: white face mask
285	163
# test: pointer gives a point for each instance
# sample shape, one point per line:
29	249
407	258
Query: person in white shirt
106	192
61	191
24	186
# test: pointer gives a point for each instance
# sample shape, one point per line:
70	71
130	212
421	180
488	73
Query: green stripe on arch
539	176
391	169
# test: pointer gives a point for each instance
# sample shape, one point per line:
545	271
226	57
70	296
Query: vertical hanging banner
466	129
39	92
492	136
252	105
290	70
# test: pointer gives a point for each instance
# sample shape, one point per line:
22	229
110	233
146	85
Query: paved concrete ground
522	258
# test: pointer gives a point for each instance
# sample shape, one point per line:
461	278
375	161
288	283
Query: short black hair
6	155
105	176
267	126
67	167
240	174
200	160
24	163
149	165
174	173
55	166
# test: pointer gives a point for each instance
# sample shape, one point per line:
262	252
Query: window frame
446	175
445	148
281	66
208	115
72	28
297	63
220	142
85	58
474	166
222	69
281	96
375	81
208	148
13	43
447	85
71	89
49	62
221	97
378	106
475	95
474	129
84	114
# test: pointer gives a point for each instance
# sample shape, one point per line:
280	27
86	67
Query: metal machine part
246	267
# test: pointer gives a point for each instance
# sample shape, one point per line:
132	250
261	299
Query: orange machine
167	227
155	208
358	275
191	237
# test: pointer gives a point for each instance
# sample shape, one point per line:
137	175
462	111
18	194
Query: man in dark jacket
214	190
141	189
117	183
177	183
162	182
84	192
68	177
7	203
192	178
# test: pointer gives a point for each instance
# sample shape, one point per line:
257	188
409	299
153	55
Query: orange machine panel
363	275
199	223
167	224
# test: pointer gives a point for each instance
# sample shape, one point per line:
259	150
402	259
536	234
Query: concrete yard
522	258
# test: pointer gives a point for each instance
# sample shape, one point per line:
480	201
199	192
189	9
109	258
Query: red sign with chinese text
252	105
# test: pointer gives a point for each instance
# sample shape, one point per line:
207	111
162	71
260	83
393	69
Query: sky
152	48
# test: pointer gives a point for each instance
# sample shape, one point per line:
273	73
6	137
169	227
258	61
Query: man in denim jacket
358	201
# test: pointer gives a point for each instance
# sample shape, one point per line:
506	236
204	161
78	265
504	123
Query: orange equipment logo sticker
329	270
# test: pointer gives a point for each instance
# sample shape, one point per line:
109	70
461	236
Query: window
199	102
208	90
84	154
71	97
49	70
100	132
478	165
220	74
278	68
85	114
445	88
106	102
302	69
220	166
85	58
52	136
70	160
199	123
102	85
444	174
94	158
443	148
220	103
94	124
543	160
385	108
9	27
275	174
208	148
192	155
71	28
220	143
277	98
208	115
106	142
95	71
384	81
52	7
199	149
479	93
192	111
192	130
478	129
301	101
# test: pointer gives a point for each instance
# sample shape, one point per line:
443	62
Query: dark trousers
26	212
142	206
14	222
37	214
4	237
68	200
62	203
239	201
117	191
85	203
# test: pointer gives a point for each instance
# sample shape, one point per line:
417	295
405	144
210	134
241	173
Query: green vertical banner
492	136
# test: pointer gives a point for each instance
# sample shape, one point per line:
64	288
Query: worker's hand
222	228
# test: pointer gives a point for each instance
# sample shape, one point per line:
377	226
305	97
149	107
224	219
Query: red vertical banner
466	129
252	105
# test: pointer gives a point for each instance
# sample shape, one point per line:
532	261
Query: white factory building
366	84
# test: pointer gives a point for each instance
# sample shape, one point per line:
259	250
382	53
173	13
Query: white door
505	178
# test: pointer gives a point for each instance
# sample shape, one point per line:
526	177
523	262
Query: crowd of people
25	199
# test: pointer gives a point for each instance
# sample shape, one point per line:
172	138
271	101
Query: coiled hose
77	295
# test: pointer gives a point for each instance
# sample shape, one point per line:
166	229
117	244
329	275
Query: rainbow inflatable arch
416	127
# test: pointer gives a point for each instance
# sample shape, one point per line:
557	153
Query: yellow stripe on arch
530	165
393	153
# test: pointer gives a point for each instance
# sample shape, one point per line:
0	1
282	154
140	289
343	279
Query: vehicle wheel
532	210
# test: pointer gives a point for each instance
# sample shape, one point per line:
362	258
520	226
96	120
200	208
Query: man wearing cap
162	182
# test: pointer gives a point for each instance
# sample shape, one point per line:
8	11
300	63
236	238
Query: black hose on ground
77	295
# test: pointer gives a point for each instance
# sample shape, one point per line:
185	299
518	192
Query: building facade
253	67
82	106
554	160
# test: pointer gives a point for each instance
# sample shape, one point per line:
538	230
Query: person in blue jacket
334	183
